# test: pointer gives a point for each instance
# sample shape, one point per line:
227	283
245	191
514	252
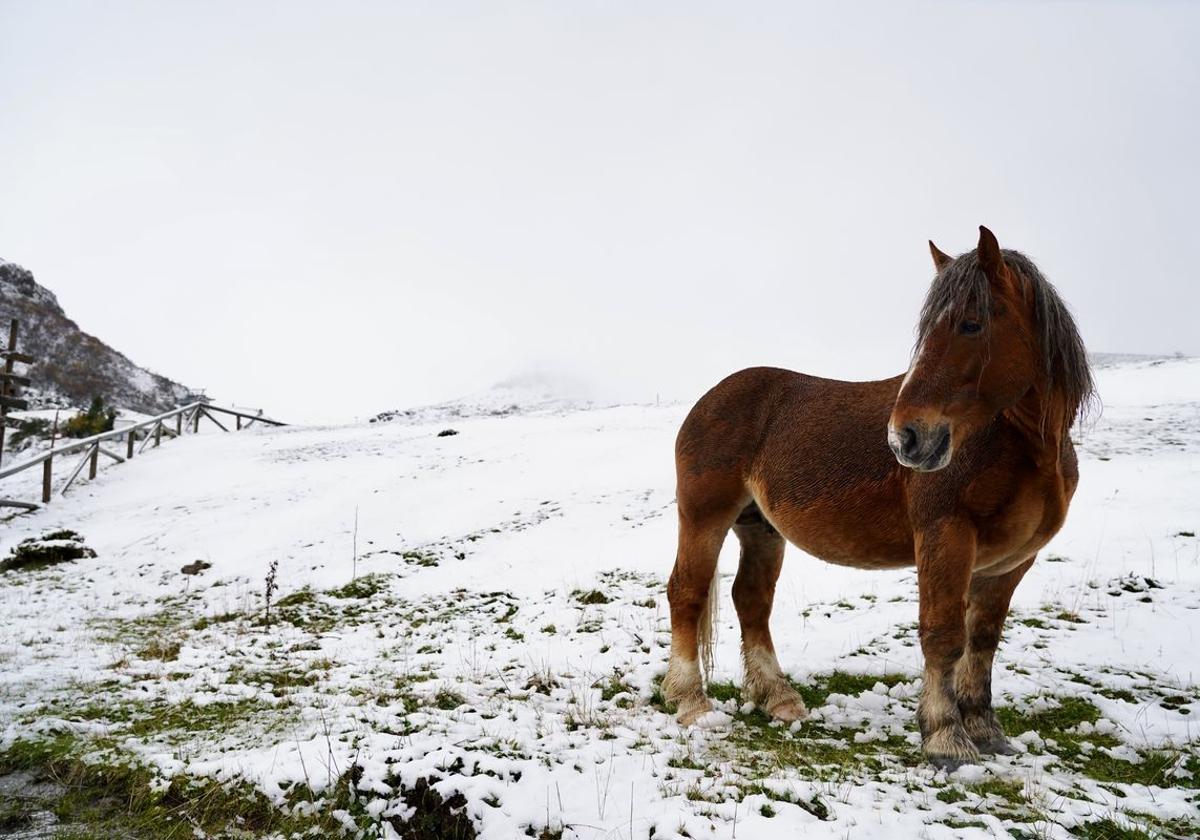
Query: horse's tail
709	616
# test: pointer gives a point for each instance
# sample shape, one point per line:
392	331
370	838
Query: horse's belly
842	535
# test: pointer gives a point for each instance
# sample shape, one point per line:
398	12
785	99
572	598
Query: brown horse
963	466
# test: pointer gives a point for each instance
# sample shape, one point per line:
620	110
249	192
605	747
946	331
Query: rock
47	550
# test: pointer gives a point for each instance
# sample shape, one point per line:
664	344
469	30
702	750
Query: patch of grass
447	699
304	609
1054	724
722	691
299	598
204	622
100	796
1108	829
119	798
142	630
278	682
1010	791
823	753
954	822
1175	702
815	806
1067	714
1087	753
611	687
165	649
817	688
14	816
366	586
951	794
425	559
1154	769
1117	694
757	744
162	720
592	596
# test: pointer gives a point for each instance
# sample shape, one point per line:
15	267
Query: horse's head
978	352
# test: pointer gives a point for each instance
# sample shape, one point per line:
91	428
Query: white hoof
693	709
788	711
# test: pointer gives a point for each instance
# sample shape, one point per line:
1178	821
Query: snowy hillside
72	366
523	395
486	611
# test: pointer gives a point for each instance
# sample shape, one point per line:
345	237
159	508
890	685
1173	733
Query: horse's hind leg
987	607
691	592
753	595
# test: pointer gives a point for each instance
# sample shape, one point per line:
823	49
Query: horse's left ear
990	259
940	260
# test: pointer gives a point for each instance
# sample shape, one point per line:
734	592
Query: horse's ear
940	260
990	259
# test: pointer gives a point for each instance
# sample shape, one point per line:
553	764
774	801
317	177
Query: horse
963	466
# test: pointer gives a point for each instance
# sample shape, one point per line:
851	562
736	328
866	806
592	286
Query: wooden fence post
179	424
94	463
158	433
129	438
46	470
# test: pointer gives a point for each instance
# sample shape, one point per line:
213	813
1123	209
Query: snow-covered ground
487	609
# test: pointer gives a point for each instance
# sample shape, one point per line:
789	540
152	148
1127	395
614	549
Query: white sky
332	209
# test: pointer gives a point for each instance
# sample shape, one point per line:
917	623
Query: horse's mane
961	288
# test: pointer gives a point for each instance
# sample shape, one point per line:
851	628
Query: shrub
95	420
29	427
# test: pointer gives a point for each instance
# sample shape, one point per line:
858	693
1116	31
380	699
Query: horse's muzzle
920	447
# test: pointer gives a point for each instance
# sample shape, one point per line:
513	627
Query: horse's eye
970	327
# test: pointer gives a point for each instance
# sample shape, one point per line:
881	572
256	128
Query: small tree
95	420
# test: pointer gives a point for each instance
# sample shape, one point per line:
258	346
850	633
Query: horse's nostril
909	441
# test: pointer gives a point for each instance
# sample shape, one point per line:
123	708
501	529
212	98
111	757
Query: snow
486	537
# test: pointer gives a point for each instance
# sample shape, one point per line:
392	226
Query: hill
74	366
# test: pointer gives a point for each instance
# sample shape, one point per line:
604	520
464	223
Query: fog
328	210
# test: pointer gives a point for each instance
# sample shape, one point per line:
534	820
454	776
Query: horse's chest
1016	518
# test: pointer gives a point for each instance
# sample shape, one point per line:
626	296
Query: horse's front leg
945	556
987	607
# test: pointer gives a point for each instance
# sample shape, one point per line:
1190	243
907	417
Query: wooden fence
172	424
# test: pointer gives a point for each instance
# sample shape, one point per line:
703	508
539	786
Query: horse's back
754	407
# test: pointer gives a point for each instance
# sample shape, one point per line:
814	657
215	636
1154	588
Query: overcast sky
331	209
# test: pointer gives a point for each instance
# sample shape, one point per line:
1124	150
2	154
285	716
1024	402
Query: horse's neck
1041	417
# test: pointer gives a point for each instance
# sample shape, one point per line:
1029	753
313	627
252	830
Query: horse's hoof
788	711
999	746
949	764
692	710
949	748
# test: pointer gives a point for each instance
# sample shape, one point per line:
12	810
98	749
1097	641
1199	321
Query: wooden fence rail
150	431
